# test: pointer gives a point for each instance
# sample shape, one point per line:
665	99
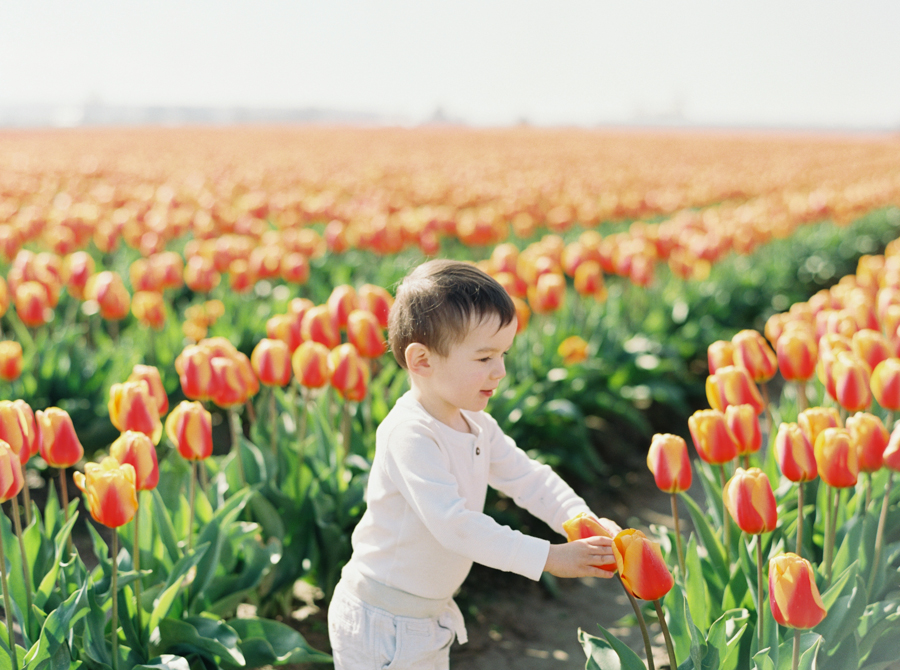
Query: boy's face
468	376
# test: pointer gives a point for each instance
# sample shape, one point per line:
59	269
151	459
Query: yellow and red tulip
189	428
318	325
548	293
110	490
340	303
32	304
150	375
137	450
11	478
814	420
523	314
750	502
108	290
743	423
149	309
344	364
200	274
588	281
271	361
10	360
851	382
793	595
719	354
364	332
285	327
870	437
573	350
294	268
794	453
77	269
753	353
714	442
194	371
59	444
641	566
310	364
732	385
669	462
583	526
797	352
836	458
885	383
132	407
871	346
377	300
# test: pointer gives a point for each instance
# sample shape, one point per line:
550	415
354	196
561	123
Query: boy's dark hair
437	302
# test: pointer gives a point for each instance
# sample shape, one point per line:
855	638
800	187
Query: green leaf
163	604
844	615
165	662
850	548
48	581
761	661
714	549
809	646
52	646
208	637
838	584
165	528
678	628
267	516
844	654
695	586
270	642
880	619
602	655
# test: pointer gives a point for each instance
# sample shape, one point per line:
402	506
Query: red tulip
743	423
870	437
816	419
131	407
59	445
793	594
885	383
668	460
719	354
836	458
137	450
11	478
753	353
319	326
189	428
10	360
750	502
310	364
641	565
714	442
584	526
111	491
108	290
795	453
851	382
732	385
271	361
797	352
150	376
364	332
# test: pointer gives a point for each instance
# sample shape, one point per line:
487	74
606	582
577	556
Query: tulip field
193	365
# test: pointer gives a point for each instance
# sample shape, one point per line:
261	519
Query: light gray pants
364	637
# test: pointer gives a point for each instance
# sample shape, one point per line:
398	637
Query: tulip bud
285	327
194	371
59	445
714	442
131	407
32	304
573	350
732	385
512	284
357	391
750	502
753	353
885	383
189	428
851	382
271	361
668	460
294	268
891	456
340	303
548	293
227	388
364	332
149	309
797	351
200	274
795	453
870	346
10	360
836	458
523	314
137	450
11	478
145	276
793	594
111	491
816	419
298	307
108	290
743	423
377	300
77	269
150	376
310	364
583	526
319	326
17	428
719	354
588	280
343	364
641	565
870	437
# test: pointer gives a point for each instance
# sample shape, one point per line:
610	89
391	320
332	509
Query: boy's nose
499	371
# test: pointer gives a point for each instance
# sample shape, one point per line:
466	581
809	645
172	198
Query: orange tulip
149	309
310	364
111	491
793	594
732	385
870	437
10	360
340	303
573	350
719	354
194	371
548	293
150	376
753	353
189	428
797	352
32	304
641	565
795	453
714	442
271	361
364	332
59	445
11	478
668	460
814	420
583	526
851	382
871	346
108	290
319	326
885	383
750	502
836	458
137	450
285	327
131	407
743	423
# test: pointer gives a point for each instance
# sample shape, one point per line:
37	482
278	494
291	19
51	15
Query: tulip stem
18	523
137	567
236	432
670	648
345	429
830	529
868	493
193	495
879	535
273	420
301	438
726	524
115	599
802	402
64	493
26	498
795	654
678	547
799	519
7	606
764	388
642	624
759	591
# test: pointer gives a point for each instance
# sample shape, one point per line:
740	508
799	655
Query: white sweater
425	523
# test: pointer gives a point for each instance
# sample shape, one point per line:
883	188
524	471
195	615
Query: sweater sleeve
419	469
532	485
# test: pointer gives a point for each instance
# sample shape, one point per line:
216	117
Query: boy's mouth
488	393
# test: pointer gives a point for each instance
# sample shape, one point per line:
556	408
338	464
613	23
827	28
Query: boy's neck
450	416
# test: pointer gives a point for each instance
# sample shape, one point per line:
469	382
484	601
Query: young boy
436	453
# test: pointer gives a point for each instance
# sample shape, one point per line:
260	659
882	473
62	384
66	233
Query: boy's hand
581	558
610	525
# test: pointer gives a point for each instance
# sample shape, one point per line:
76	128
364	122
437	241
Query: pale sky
488	62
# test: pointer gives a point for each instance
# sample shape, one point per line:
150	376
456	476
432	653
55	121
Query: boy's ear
418	359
